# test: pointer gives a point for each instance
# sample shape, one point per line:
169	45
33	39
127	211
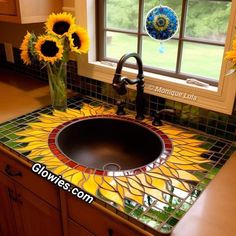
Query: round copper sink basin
112	143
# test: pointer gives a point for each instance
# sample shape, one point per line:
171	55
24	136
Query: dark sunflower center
76	40
49	49
61	27
161	22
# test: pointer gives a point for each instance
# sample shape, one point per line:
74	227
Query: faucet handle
120	108
157	116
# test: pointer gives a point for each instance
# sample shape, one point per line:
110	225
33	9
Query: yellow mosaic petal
112	196
30	132
34	145
61	114
168	171
135	191
187	135
154	193
49	119
61	169
52	163
136	198
177	160
180	184
156	182
98	109
76	178
122	183
189	167
98	179
69	173
74	113
91	186
188	153
187	176
134	184
156	175
48	158
39	152
108	185
179	142
194	149
30	139
121	190
42	125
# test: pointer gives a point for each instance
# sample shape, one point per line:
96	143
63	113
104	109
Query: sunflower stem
57	82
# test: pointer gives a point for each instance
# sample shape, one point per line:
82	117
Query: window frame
139	33
222	96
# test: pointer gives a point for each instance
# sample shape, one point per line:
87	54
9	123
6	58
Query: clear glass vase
57	76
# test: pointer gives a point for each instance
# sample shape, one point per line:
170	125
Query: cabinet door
7	218
76	229
8	7
36	217
100	222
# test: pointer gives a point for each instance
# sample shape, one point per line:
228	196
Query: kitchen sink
110	143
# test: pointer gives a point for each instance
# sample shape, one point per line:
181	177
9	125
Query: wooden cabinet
28	204
23	175
25	214
8	7
27	11
75	229
36	217
7	219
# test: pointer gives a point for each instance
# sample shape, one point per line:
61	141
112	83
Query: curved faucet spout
124	58
120	83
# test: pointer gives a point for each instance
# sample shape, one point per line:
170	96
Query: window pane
152	57
202	60
122	14
117	44
208	19
175	5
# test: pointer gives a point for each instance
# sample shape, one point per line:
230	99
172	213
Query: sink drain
111	167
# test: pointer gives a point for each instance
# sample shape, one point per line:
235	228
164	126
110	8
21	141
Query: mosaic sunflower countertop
157	196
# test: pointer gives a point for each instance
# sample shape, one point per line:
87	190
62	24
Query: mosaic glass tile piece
158	196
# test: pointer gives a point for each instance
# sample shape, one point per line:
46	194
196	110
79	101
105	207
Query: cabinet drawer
101	223
24	176
76	229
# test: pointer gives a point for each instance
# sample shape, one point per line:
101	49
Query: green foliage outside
205	20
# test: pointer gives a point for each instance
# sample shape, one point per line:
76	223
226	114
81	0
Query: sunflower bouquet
52	50
231	56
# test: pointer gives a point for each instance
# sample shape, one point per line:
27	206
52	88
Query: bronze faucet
120	83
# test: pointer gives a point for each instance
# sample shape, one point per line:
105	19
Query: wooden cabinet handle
12	195
110	232
10	172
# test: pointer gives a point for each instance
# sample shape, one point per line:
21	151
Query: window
219	97
196	51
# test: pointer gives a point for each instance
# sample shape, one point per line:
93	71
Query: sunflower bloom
25	49
231	56
79	40
59	24
49	49
234	45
